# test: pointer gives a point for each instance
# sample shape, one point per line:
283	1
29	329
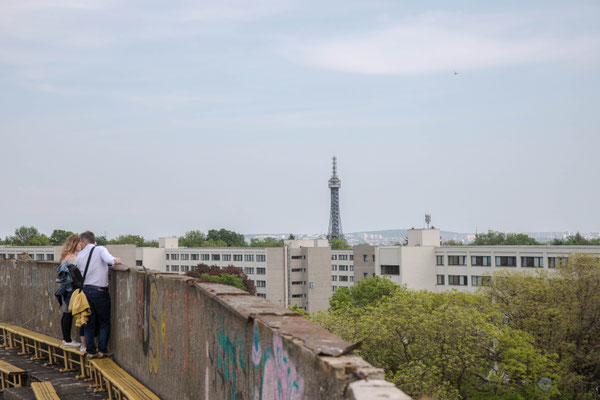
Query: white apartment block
424	264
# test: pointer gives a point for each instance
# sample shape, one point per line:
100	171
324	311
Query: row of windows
259	271
37	257
461	280
343	257
390	270
342	267
218	257
501	261
342	278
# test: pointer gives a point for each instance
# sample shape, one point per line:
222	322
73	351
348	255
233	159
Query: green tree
128	239
266	242
493	238
448	345
576	240
232	239
28	236
561	312
59	237
192	239
291	237
101	240
300	311
369	291
225	279
339	244
452	242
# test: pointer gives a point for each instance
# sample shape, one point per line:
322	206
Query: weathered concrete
189	340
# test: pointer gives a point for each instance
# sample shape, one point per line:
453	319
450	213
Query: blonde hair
70	246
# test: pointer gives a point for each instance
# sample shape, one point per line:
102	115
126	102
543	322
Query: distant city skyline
156	118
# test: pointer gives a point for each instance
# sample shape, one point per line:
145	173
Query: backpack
76	276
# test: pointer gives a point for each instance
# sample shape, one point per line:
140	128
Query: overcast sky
156	117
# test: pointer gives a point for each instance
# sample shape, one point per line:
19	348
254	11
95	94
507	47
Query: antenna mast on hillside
335	222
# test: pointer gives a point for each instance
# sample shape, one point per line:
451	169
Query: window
481	261
439	260
167	256
167	268
39	257
261	271
390	270
457	260
261	283
506	261
185	268
297	257
333	257
138	263
373	257
333	288
297	296
343	268
343	278
2	256
249	257
334	267
185	256
237	257
334	277
263	295
553	262
457	280
296	269
50	257
215	257
249	270
364	258
440	280
480	280
226	257
351	257
175	268
296	282
365	274
352	268
195	257
351	279
261	258
11	256
343	257
534	262
205	257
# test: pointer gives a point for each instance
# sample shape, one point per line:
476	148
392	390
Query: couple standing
93	262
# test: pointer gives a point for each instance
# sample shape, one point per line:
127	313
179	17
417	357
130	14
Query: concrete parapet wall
189	340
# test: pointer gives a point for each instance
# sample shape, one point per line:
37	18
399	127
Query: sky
158	117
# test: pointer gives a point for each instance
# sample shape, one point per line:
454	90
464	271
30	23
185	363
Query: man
95	288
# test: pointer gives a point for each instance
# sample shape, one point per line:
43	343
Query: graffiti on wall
279	378
148	323
231	356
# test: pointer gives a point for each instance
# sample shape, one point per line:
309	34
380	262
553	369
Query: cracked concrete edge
374	390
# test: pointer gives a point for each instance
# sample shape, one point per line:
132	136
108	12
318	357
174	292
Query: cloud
441	43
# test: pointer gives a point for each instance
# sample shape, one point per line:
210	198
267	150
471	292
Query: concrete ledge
187	339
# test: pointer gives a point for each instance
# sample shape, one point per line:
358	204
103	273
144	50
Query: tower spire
335	222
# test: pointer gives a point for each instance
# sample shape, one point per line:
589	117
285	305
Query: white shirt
97	274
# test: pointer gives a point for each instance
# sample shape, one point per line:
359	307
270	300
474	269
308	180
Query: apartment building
425	264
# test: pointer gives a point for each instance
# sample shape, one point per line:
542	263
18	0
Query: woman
67	263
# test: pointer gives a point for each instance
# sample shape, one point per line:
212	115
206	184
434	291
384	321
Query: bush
230	275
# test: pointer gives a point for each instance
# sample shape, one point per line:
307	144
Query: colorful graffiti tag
280	380
147	296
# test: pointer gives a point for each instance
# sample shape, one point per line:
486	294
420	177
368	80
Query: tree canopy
137	240
266	242
59	237
493	238
576	240
339	244
28	236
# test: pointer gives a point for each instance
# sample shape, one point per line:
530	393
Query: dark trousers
66	322
99	320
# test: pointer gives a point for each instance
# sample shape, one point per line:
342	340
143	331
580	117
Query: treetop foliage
493	238
233	276
214	238
266	242
576	240
339	244
28	236
506	342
